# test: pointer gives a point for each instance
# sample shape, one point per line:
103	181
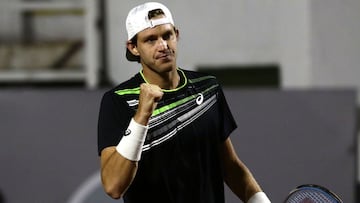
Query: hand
148	98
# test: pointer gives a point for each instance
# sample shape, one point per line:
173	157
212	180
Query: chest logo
199	99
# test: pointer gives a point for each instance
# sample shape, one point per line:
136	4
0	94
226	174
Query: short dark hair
129	55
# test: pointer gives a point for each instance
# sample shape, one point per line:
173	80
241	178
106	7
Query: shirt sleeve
114	117
227	119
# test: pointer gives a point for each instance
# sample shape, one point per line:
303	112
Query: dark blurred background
290	70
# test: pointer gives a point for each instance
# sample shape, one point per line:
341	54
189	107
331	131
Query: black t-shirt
180	158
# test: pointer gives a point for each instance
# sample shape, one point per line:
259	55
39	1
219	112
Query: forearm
241	181
117	172
119	164
238	177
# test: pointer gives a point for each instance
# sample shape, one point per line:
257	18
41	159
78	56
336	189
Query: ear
132	48
177	33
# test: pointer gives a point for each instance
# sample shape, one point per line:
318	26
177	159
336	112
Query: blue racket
310	193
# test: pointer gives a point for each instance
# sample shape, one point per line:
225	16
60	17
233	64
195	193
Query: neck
166	80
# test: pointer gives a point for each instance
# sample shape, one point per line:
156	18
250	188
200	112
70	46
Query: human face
157	48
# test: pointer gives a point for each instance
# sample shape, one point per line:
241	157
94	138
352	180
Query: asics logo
200	99
127	132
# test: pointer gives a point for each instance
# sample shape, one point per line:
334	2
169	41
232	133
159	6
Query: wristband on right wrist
259	197
130	145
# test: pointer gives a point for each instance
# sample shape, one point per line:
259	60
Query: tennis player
163	135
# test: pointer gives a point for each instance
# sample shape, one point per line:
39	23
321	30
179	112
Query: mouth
165	55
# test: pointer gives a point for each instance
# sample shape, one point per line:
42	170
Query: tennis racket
310	193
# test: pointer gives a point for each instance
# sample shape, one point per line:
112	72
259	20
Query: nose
162	44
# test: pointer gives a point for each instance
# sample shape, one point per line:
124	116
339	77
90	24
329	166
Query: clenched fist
148	98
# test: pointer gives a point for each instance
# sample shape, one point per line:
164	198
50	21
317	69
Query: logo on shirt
200	99
127	132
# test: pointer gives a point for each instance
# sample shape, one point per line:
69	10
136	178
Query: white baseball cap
138	18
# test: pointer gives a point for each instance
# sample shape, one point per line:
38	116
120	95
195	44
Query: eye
150	39
167	35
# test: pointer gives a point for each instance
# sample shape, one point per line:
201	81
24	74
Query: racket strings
311	196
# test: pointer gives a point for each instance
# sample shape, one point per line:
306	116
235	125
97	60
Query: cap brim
131	57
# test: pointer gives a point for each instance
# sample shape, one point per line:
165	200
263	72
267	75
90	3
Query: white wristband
259	197
130	145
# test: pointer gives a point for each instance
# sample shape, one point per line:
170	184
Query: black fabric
180	159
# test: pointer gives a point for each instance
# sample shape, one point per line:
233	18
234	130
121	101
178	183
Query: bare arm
236	175
117	170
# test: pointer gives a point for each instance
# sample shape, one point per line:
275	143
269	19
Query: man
163	135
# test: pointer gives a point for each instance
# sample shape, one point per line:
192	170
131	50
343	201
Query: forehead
157	30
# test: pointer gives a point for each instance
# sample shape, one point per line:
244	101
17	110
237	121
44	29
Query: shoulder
120	95
202	79
131	84
193	76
